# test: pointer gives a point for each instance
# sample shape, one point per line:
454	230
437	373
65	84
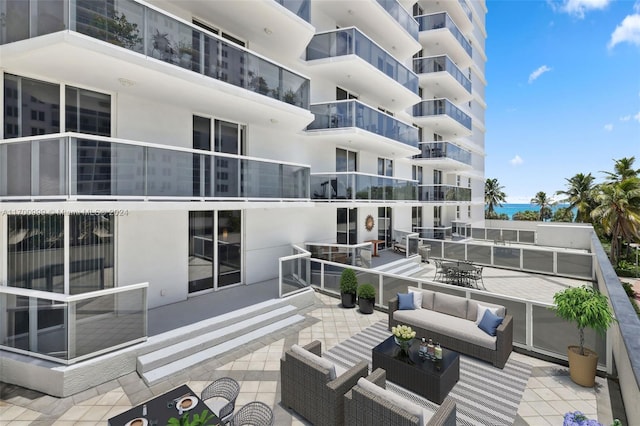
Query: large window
88	112
346	221
346	161
214	254
385	225
31	107
416	218
36	252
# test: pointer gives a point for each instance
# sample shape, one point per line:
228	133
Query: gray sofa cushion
472	309
450	305
427	297
460	328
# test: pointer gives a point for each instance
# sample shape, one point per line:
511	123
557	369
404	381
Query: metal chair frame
224	387
255	413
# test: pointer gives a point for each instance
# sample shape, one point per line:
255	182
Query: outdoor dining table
458	272
161	408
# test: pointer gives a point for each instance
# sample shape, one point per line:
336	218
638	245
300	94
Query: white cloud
637	117
608	127
627	32
537	73
517	160
625	118
578	8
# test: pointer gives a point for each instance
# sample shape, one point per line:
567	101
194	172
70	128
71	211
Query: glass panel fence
294	275
401	15
552	334
100	167
479	253
494	234
302	8
527	236
68	328
478	233
454	251
442	20
537	260
575	264
506	257
510	234
441	64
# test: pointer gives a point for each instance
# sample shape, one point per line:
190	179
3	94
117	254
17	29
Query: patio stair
405	267
185	347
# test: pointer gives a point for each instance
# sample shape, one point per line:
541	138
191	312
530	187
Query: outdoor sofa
369	403
452	321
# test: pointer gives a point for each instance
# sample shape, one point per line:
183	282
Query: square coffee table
430	379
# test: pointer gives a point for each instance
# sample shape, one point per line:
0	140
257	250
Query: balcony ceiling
358	76
278	31
442	42
358	139
443	85
81	60
444	125
371	18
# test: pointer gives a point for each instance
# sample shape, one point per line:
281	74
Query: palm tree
623	169
618	212
579	195
493	195
545	204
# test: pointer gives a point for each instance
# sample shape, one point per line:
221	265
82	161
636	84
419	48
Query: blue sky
563	91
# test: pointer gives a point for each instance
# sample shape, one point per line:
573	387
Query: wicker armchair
307	389
363	408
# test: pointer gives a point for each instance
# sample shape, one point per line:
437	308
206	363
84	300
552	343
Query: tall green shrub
348	281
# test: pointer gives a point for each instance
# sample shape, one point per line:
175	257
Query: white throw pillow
417	299
481	311
395	399
319	361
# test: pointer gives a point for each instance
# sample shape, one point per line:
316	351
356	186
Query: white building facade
190	144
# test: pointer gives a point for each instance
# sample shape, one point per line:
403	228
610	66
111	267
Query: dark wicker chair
221	396
476	276
308	390
363	408
255	413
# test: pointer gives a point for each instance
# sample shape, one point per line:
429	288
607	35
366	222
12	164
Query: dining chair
255	413
220	396
475	276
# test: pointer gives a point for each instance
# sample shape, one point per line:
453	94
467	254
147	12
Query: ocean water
512	208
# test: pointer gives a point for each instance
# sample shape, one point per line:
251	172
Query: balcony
443	77
72	166
444	155
443	116
282	28
362	66
358	122
459	11
385	21
162	55
353	186
440	35
444	193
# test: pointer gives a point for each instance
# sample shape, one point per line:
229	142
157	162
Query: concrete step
402	266
204	337
229	344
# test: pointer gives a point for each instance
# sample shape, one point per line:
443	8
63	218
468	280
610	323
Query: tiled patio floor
549	394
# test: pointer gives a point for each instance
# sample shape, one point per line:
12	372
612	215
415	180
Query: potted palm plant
348	287
586	308
366	298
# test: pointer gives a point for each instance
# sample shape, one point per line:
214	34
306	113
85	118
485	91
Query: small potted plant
586	308
366	298
348	288
203	419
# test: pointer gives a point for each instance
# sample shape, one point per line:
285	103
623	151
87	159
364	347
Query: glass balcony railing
350	41
439	150
353	113
73	165
467	9
444	193
63	328
443	20
302	8
441	107
440	64
136	27
358	186
401	15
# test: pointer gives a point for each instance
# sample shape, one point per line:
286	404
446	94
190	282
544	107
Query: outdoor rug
484	395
